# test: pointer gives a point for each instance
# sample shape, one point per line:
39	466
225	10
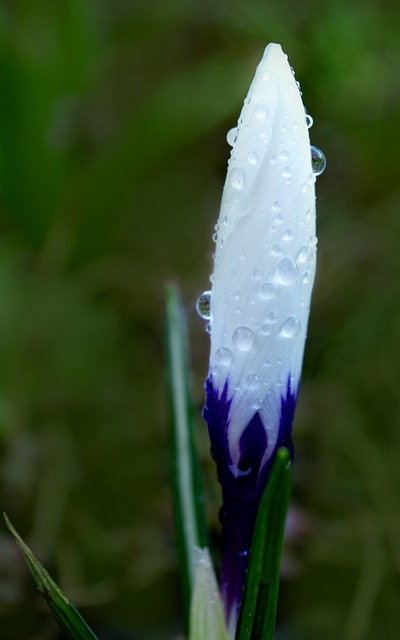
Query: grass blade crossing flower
259	303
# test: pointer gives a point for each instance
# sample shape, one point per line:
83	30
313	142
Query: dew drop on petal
252	157
318	161
260	111
252	381
287	271
271	318
231	136
237	178
243	338
203	305
266	328
304	254
277	250
223	356
287	172
309	120
291	327
268	290
288	235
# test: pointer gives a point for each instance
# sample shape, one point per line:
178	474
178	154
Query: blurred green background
113	117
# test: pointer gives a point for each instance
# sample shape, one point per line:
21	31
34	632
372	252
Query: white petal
266	250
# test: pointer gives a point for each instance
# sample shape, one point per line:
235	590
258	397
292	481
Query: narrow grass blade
62	610
188	497
260	596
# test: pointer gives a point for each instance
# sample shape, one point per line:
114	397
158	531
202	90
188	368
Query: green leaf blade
190	520
260	596
63	611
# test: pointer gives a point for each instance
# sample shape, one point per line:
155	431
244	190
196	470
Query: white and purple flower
260	298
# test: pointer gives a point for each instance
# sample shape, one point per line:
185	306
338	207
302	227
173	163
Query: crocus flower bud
260	298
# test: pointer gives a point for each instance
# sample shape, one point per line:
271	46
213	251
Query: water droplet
304	254
307	277
276	206
268	290
237	178
215	237
231	136
284	155
288	235
223	356
287	271
271	318
266	328
252	381
287	172
277	250
257	275
252	157
318	161
261	112
291	327
309	120
208	327
243	338
273	159
203	305
313	241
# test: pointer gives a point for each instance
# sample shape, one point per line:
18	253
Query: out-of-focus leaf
187	488
63	611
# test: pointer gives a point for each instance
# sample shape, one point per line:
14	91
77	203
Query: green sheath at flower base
63	611
190	521
260	596
207	620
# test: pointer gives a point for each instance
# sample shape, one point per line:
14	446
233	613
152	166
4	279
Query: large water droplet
237	178
231	136
287	271
203	305
243	338
223	356
261	112
291	327
318	161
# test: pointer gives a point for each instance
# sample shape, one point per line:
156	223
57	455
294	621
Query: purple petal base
242	485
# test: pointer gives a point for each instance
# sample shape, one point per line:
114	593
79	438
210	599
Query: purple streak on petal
242	485
216	414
